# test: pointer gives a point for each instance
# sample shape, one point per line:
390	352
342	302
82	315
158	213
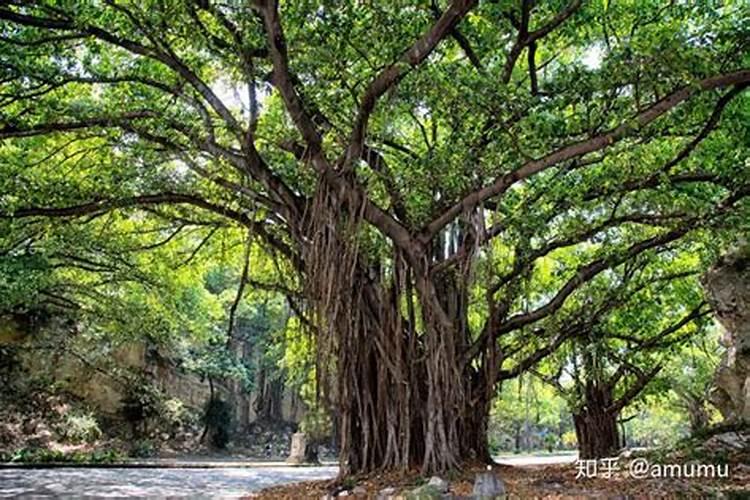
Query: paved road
533	460
220	480
140	483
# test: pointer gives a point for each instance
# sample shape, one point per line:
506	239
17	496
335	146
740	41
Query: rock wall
728	289
41	355
194	392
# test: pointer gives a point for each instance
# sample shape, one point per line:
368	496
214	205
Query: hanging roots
331	258
396	389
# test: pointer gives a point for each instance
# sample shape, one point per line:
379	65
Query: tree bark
403	401
387	424
390	349
596	426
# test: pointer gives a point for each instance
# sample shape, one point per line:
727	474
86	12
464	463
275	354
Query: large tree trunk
597	434
596	428
473	436
390	344
388	424
400	408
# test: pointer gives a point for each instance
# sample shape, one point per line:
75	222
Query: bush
143	448
569	440
44	456
174	414
316	423
218	420
141	403
79	427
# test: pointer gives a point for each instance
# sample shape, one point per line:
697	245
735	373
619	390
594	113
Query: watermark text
641	468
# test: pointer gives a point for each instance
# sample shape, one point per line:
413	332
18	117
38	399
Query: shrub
143	448
79	427
174	414
44	456
142	402
218	420
316	423
569	439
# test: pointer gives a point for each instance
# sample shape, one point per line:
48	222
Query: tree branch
641	381
240	291
282	76
11	131
739	78
526	38
391	75
462	41
167	198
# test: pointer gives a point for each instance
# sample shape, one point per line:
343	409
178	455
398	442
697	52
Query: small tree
612	359
528	414
691	375
218	421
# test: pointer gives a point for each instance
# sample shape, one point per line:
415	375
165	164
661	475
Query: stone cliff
728	289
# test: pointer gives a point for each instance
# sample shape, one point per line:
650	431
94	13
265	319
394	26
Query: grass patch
47	456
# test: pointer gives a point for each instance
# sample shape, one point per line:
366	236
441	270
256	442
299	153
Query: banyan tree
445	183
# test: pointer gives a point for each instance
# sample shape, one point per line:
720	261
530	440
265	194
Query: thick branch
660	340
391	75
240	291
10	131
638	218
283	78
134	47
597	143
586	274
167	198
526	38
462	41
640	383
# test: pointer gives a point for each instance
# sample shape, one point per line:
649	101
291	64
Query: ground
544	481
541	476
232	477
225	482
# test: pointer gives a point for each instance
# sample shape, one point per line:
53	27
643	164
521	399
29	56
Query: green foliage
298	356
143	448
218	420
658	424
79	427
132	172
298	363
528	415
349	482
174	414
46	456
317	423
21	279
216	360
141	403
146	407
